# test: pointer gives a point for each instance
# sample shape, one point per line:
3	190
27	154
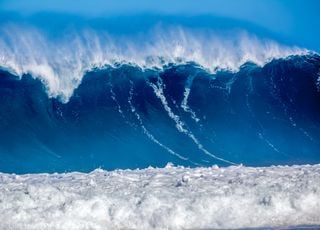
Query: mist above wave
61	62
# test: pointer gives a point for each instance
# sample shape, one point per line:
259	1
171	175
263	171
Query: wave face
125	116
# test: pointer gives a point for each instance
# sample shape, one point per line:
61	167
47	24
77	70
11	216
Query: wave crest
61	62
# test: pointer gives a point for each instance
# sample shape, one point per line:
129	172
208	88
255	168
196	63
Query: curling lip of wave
61	64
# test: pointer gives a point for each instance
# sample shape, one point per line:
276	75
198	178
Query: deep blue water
126	117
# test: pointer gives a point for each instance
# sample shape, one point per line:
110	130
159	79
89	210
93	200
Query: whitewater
163	198
83	98
60	63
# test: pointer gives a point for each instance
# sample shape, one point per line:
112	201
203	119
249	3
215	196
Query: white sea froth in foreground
166	198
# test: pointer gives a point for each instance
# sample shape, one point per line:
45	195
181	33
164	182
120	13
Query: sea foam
163	198
61	62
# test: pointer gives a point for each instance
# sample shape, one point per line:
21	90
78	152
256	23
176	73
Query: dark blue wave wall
124	117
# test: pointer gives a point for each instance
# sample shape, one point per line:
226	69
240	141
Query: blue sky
296	20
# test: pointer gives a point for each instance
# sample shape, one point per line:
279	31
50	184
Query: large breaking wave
124	96
77	94
61	62
126	115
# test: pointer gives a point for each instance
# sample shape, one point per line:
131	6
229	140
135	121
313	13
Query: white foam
145	130
184	103
180	125
166	198
61	63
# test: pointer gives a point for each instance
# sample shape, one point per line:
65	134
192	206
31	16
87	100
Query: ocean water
158	125
257	116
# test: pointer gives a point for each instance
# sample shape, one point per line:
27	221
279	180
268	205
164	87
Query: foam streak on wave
158	90
275	92
145	131
184	104
61	62
261	132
